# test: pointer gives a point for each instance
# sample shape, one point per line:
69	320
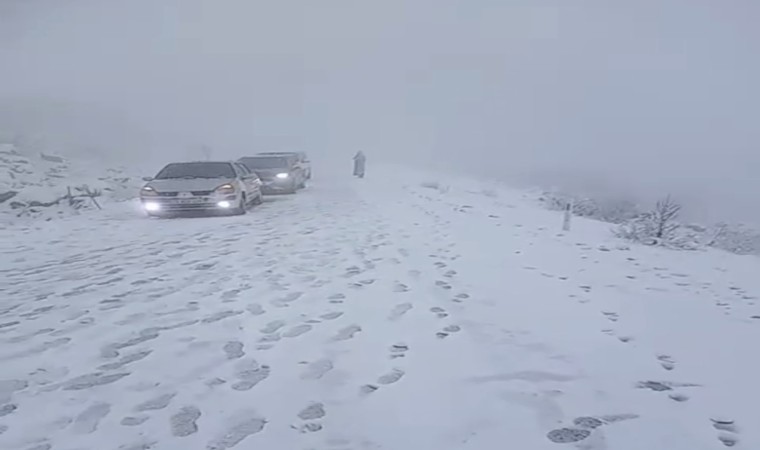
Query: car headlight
225	189
152	206
148	191
282	176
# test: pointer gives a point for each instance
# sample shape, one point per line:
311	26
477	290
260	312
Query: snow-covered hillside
36	185
402	311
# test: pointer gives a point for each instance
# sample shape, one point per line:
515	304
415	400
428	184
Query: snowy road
372	314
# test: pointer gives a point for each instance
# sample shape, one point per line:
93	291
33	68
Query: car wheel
259	199
241	208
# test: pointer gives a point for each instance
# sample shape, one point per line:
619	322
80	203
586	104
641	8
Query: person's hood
188	184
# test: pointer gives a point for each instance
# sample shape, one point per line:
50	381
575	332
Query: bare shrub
611	210
658	226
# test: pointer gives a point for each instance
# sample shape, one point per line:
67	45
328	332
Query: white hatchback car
208	186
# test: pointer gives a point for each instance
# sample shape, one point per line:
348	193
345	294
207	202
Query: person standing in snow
359	162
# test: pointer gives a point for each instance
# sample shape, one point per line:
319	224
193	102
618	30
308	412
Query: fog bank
650	95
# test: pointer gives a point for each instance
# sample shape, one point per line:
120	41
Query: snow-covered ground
36	185
371	314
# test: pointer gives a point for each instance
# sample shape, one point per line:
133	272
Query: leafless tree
655	227
664	216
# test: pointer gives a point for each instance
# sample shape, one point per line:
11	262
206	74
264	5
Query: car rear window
267	162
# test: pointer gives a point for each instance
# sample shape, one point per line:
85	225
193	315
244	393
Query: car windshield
265	162
197	170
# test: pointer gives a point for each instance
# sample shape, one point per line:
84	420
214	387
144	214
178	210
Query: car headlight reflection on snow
152	206
224	204
282	176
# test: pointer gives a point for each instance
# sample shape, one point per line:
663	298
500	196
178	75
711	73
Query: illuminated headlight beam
152	206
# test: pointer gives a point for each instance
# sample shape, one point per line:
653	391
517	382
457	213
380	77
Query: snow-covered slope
39	185
402	311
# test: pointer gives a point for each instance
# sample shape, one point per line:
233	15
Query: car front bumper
168	205
275	186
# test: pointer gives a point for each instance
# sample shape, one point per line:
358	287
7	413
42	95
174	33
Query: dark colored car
278	173
301	158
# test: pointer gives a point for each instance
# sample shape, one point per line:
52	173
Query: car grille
178	205
202	193
167	194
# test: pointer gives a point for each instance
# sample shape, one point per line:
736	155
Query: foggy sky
656	94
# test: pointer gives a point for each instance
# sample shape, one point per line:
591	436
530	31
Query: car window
242	170
265	162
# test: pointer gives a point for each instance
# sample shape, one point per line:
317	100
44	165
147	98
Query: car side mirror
147	178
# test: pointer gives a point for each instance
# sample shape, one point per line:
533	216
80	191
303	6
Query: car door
296	169
250	180
244	178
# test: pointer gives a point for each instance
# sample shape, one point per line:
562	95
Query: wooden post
567	216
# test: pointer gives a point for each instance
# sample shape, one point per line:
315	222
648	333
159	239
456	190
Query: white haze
648	95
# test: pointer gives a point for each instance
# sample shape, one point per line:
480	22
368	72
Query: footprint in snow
297	330
231	295
273	326
439	312
460	297
184	422
317	369
221	316
729	433
92	380
87	421
234	350
291	297
363	283
336	298
568	435
250	374
331	315
443	285
44	446
583	426
246	424
8	409
347	333
391	377
156	404
399	350
662	386
448	330
399	310
315	411
312	412
400	287
274	337
667	362
134	421
353	271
